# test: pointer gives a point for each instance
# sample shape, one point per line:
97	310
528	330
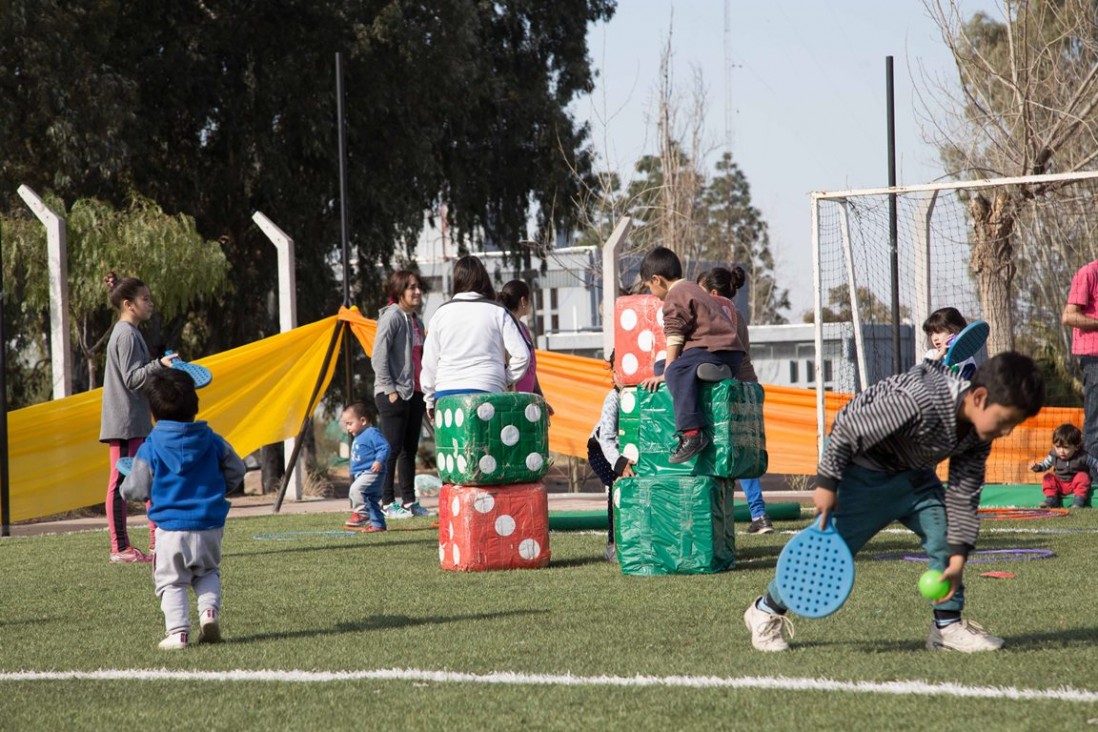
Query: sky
807	94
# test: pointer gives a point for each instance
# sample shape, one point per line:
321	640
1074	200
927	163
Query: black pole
344	220
340	325
897	366
5	495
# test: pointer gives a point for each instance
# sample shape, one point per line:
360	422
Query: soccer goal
1002	249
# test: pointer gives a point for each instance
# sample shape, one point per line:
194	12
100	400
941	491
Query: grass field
326	631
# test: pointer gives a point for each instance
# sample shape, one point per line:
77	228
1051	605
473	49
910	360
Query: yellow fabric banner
260	395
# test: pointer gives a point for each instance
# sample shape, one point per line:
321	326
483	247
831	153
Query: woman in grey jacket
397	359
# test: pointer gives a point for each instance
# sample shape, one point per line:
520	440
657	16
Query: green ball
932	586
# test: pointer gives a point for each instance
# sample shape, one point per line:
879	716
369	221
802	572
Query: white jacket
468	342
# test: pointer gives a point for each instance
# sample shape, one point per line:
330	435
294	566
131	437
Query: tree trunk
272	467
993	265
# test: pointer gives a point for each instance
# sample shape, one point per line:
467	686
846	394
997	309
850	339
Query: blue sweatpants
870	500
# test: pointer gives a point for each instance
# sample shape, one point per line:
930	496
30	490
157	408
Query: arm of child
1047	463
380	447
607	433
138	484
232	467
517	348
967	471
861	425
428	368
135	371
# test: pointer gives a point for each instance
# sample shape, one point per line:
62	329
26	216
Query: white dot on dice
438	418
659	317
533	412
462	463
631	452
449	463
629	364
628	402
459	417
628	319
617	497
484	503
449	417
487	464
457	554
505	525
529	549
441	553
486	411
534	461
455	506
646	340
509	435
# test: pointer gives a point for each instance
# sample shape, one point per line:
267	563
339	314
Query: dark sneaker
760	525
1079	502
688	447
713	372
1050	503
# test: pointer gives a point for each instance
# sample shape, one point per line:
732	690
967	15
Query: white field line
778	683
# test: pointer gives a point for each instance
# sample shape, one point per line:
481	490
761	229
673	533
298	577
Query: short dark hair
471	276
359	409
1067	435
399	281
945	320
1012	379
171	395
511	294
663	262
726	282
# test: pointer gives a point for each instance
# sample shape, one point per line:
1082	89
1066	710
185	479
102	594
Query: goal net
944	234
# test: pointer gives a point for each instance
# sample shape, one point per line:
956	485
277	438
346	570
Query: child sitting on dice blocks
701	344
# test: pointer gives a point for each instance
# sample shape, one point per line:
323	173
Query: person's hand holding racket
826	502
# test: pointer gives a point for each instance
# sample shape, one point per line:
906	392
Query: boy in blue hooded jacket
186	469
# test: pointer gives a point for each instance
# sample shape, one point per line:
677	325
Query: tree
1028	105
872	308
166	252
219	108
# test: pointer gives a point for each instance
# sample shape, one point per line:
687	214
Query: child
606	459
942	325
878	467
1071	467
186	469
722	284
369	452
125	421
515	296
701	341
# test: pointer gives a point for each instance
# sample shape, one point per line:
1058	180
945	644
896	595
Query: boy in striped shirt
878	467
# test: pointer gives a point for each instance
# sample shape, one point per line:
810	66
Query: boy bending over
878	467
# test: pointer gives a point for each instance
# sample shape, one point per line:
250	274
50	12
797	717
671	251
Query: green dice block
674	524
492	439
734	424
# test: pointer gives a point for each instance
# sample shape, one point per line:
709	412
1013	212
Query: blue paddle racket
815	571
124	465
967	343
201	375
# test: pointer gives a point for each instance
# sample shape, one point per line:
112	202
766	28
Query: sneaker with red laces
209	631
371	529
357	521
176	641
130	555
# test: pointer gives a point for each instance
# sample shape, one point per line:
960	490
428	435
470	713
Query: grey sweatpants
187	559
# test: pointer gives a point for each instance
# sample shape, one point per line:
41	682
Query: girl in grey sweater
125	420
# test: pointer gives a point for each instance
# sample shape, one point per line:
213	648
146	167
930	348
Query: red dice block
493	527
638	337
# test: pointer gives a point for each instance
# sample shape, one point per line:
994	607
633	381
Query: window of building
794	377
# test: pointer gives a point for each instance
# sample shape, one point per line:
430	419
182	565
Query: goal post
943	256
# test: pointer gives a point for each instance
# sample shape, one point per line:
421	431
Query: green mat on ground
1010	495
596	520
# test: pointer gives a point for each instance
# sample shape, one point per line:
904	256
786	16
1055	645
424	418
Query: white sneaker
964	636
766	628
176	641
396	511
208	629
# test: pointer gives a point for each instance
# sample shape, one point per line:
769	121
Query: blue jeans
365	493
870	500
682	381
1090	404
753	492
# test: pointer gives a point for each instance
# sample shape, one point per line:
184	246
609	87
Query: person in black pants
397	359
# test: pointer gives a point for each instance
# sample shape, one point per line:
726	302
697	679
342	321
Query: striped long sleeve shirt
908	422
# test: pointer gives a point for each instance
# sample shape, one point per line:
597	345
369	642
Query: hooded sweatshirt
186	469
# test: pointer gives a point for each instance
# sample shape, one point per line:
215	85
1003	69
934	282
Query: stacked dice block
493	450
678	519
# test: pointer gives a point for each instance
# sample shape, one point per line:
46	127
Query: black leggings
401	422
605	471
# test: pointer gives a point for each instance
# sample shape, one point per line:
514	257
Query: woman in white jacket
473	343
